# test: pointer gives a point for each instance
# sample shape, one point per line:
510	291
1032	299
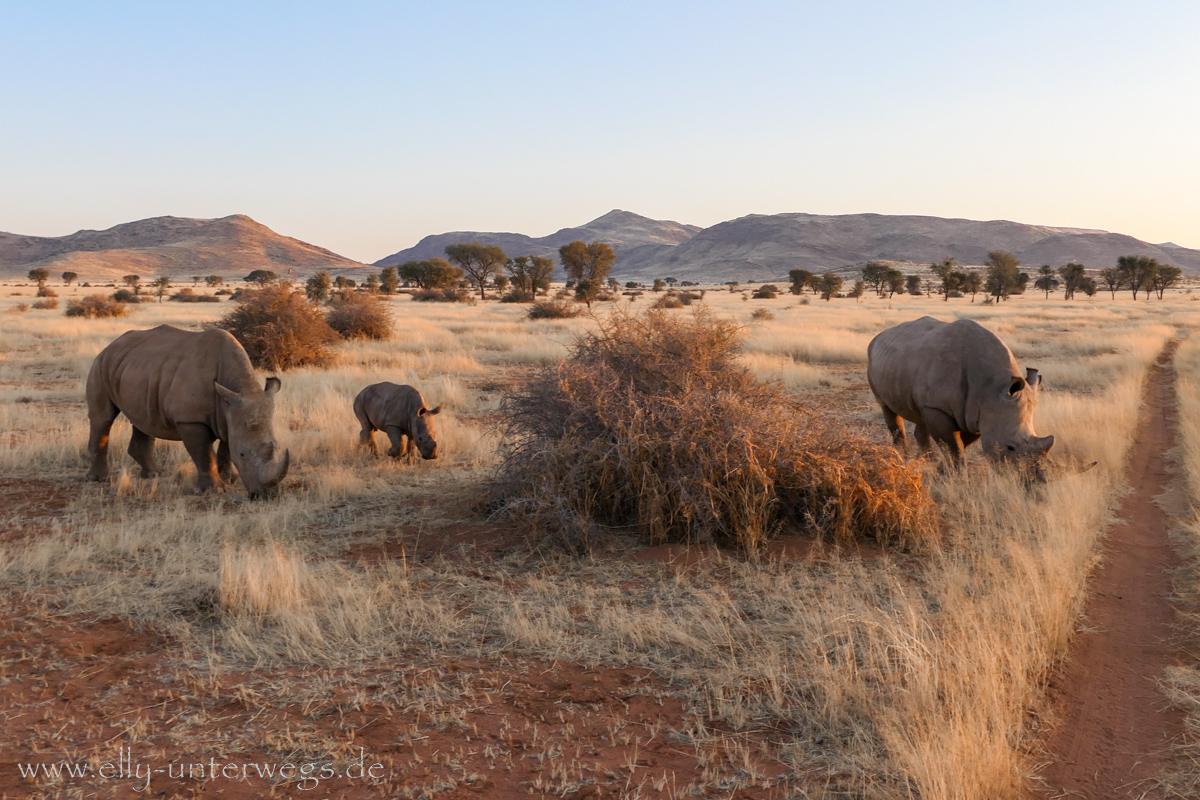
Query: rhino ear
435	410
1017	385
229	394
1032	377
272	386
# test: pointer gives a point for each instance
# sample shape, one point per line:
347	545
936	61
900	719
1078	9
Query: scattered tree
389	281
949	277
768	291
1002	275
1166	277
593	261
133	282
912	284
434	273
800	278
69	277
501	282
317	287
631	284
1113	279
586	291
261	277
478	261
214	280
857	290
1088	286
1137	273
658	284
972	284
372	284
39	275
1072	276
161	284
1046	281
831	284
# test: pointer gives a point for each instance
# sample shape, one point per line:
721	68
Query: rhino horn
1041	445
282	469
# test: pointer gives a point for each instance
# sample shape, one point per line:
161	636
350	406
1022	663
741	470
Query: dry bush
518	296
126	296
443	296
762	314
189	296
668	301
554	309
46	291
19	308
96	306
49	304
280	328
359	316
768	291
651	423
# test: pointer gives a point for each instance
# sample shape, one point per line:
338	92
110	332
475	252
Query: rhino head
1006	425
250	425
424	431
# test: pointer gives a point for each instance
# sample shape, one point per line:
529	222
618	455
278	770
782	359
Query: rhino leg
896	426
141	449
198	440
944	430
224	461
101	420
399	444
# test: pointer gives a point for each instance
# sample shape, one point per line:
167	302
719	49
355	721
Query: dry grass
880	677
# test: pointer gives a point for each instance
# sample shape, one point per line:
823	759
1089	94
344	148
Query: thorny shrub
49	304
189	296
359	316
443	296
652	424
96	306
554	309
280	328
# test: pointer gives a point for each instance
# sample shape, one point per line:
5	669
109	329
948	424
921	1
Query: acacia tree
68	277
658	285
1113	279
1072	275
214	280
800	278
874	275
1002	276
586	291
912	284
478	261
972	283
1046	281
372	283
831	284
856	291
161	284
262	277
317	287
592	261
893	282
432	273
1137	273
944	271
1166	277
389	281
133	282
39	275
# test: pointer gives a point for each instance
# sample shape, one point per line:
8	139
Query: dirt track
1115	724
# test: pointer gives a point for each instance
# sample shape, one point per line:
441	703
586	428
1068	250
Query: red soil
1116	726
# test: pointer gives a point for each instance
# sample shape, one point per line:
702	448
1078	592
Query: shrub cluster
768	291
48	304
96	306
443	296
554	309
359	316
280	328
126	296
46	291
651	423
190	296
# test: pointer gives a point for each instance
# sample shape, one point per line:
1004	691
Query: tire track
1116	727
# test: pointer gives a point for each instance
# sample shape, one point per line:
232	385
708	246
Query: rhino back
391	404
164	376
951	366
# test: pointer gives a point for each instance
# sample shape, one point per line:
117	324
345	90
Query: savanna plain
379	610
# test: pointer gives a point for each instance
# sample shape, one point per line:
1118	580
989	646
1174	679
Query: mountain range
179	247
757	247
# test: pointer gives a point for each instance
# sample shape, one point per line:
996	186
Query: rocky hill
760	247
632	236
175	246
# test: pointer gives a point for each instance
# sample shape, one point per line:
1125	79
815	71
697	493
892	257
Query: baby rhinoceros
400	412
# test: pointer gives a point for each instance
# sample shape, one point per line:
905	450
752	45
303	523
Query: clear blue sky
363	126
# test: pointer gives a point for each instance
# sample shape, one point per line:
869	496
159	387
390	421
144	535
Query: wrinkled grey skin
957	382
194	387
400	412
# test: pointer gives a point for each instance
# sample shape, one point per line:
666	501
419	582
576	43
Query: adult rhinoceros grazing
957	382
194	387
400	412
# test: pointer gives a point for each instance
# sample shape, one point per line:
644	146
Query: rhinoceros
198	387
401	413
957	382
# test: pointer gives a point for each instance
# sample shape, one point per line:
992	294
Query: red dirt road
1116	727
